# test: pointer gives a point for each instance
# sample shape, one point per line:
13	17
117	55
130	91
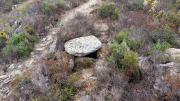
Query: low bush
76	3
22	9
122	57
62	92
177	4
20	45
6	5
134	6
170	16
52	8
48	8
164	34
62	5
130	65
157	53
108	10
133	42
3	38
118	50
130	61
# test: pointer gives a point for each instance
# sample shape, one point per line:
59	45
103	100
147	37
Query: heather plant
108	10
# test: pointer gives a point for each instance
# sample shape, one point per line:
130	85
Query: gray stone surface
85	98
79	83
53	46
173	53
82	46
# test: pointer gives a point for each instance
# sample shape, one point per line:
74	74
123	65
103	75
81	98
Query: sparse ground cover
136	28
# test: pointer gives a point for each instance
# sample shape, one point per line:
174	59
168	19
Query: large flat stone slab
83	46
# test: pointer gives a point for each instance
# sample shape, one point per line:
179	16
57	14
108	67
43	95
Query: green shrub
48	8
178	4
63	92
108	10
171	16
3	38
158	47
62	5
130	61
20	45
134	6
76	3
118	49
133	44
129	65
161	14
29	29
164	34
120	37
52	8
6	5
120	44
22	8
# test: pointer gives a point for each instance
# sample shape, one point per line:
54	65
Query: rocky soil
41	51
158	80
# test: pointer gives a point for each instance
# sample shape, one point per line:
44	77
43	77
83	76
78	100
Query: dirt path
43	48
86	8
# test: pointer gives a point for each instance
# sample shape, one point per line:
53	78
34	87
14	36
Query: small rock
42	45
3	76
44	39
16	72
32	53
40	49
79	83
86	73
71	63
42	34
49	38
14	7
12	66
